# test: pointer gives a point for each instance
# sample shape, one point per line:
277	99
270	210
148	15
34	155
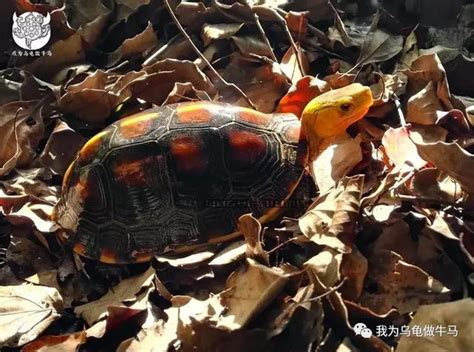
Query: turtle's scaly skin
183	174
176	175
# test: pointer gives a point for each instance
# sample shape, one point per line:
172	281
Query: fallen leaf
248	292
212	32
63	53
395	283
400	148
301	93
21	129
252	231
336	161
422	106
331	219
451	159
326	266
62	343
290	64
26	311
140	44
455	320
127	292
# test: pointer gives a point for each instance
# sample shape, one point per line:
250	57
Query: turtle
183	174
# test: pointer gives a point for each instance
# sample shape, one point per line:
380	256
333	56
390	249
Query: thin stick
403	122
203	58
333	289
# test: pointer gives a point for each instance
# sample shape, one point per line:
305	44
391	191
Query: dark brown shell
177	174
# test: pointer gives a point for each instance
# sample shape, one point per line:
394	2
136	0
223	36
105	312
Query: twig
406	197
328	292
403	122
281	245
203	58
159	51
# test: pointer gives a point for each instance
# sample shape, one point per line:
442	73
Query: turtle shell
177	175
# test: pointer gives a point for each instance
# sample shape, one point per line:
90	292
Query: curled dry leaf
326	266
252	231
21	130
400	148
61	343
212	32
332	218
132	291
398	284
64	53
290	64
89	100
451	159
354	267
185	92
26	311
336	161
248	292
61	148
457	314
422	106
300	93
137	45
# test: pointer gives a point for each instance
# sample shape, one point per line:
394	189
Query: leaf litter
387	240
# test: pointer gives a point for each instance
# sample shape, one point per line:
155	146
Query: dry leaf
451	159
422	106
398	284
62	343
129	291
212	32
21	129
252	231
400	148
336	161
26	311
332	218
248	292
326	266
290	66
301	93
452	316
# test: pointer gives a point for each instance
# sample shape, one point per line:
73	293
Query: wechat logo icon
31	30
362	330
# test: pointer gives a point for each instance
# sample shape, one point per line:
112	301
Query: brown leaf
89	100
26	311
290	67
378	46
132	290
61	148
422	106
185	92
451	159
336	161
62	343
452	317
252	231
212	32
140	44
248	292
401	149
300	94
297	22
251	44
84	11
64	53
354	267
21	129
326	266
398	284
332	217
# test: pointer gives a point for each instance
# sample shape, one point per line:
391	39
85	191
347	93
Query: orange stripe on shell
79	248
246	147
198	112
90	149
137	126
254	117
108	256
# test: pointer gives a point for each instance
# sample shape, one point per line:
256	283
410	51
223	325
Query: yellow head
331	113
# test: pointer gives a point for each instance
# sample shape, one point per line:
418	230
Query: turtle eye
345	107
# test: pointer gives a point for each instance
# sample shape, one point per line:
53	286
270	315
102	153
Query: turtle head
331	113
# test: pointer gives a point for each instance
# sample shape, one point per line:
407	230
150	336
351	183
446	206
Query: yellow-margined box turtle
184	173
